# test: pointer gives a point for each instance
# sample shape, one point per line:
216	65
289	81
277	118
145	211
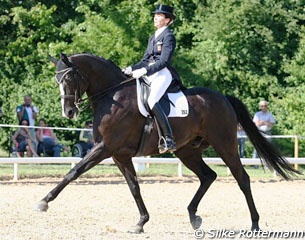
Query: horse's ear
65	59
52	59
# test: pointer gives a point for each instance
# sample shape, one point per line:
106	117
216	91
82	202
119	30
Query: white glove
127	70
139	72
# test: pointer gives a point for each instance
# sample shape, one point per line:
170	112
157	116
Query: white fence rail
138	162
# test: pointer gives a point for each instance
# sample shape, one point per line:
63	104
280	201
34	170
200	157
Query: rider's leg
168	144
159	83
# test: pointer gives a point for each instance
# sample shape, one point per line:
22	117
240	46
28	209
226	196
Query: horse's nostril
70	113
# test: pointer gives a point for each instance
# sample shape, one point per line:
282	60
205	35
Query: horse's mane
109	62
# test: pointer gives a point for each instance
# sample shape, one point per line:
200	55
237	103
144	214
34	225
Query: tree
292	99
26	69
250	49
240	47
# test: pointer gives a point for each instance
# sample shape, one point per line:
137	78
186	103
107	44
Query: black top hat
167	10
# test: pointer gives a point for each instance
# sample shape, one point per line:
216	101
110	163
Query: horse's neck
116	96
99	73
99	86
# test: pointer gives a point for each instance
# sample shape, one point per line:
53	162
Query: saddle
173	102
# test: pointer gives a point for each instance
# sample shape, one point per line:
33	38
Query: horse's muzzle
70	113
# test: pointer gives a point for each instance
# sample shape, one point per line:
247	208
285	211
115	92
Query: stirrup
166	144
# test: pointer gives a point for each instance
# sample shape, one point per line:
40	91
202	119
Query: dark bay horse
118	126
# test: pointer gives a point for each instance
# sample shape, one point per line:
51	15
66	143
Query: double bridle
78	100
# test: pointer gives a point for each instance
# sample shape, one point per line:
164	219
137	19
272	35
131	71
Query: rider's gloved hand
127	70
139	72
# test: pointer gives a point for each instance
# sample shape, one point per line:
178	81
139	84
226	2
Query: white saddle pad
179	108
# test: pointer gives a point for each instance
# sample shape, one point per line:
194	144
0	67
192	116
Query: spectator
264	121
23	140
47	139
241	139
87	136
29	112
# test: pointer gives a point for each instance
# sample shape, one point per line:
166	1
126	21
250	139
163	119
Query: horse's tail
265	150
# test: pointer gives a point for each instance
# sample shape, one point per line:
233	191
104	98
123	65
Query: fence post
296	150
179	169
15	172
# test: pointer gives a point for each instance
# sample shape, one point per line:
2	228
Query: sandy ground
104	208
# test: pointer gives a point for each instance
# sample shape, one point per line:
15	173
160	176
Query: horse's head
88	73
68	79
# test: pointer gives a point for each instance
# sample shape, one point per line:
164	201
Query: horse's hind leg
127	169
96	155
192	159
243	181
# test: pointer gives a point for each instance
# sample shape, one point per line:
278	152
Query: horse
118	127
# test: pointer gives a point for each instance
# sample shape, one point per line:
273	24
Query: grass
105	170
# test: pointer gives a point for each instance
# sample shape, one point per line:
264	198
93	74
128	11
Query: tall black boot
166	143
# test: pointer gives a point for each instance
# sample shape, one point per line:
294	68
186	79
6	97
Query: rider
156	65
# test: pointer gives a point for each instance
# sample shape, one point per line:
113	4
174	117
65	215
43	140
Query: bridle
77	95
78	100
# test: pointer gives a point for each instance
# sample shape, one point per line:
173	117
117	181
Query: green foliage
250	49
239	45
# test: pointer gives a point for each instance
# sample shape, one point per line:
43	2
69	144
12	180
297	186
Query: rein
102	93
110	89
78	100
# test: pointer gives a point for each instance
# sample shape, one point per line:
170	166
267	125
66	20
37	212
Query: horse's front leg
95	156
127	168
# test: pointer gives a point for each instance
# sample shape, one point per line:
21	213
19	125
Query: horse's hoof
255	228
41	206
196	222
136	229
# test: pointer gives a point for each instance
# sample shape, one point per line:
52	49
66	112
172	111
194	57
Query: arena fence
139	162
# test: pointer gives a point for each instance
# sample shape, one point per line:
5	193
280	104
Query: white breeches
160	81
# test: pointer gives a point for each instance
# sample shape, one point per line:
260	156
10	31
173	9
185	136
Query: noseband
77	96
